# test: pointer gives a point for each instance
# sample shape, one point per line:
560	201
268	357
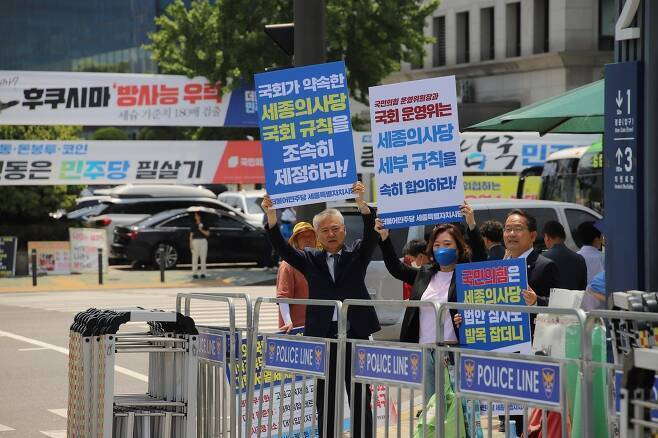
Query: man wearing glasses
519	234
335	272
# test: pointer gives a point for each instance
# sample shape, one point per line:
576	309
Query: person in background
199	234
492	234
591	250
595	294
290	283
572	267
415	256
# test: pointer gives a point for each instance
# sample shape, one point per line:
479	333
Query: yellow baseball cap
300	227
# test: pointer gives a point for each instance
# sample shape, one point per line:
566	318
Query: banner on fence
45	162
85	243
52	257
493	282
120	99
415	134
8	247
306	134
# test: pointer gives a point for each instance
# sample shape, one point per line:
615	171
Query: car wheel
170	255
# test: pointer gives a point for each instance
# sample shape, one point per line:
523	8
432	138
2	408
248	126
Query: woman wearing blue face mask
434	281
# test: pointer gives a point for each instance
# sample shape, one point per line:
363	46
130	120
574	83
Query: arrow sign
619	99
619	156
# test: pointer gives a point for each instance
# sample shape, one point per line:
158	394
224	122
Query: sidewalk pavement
124	277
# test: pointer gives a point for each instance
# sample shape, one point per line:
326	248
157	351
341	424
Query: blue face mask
445	256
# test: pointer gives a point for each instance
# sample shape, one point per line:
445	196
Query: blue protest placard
417	161
306	134
296	356
211	347
389	364
494	282
530	381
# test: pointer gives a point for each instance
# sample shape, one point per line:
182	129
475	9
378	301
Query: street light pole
309	17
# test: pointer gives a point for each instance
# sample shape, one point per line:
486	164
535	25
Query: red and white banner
120	99
45	162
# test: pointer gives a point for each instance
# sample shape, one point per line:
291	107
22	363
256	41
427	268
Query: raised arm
478	249
370	239
395	267
294	257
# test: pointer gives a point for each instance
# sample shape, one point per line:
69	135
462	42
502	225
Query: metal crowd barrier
551	365
390	367
224	366
167	409
634	367
298	364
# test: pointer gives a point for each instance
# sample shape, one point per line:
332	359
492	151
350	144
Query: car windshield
157	218
253	204
93	210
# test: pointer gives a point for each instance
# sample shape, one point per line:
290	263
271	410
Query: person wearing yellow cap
290	283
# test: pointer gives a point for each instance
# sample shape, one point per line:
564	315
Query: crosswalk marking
59	412
4	428
203	312
54	433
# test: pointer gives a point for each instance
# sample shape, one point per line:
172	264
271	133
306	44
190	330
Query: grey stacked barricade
239	386
167	409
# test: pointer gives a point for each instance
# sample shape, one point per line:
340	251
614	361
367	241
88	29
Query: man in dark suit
519	234
335	272
492	234
571	266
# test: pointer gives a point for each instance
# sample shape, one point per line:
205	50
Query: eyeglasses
515	230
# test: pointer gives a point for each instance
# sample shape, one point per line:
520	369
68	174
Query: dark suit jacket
421	277
349	283
542	276
496	252
571	266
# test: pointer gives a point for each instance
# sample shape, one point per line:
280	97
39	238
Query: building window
487	34
541	26
440	44
513	22
607	18
463	42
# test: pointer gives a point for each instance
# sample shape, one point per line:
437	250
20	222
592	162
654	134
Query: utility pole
310	48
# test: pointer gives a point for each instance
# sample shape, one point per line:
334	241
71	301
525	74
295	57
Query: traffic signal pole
310	48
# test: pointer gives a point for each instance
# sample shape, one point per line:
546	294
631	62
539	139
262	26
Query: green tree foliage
31	204
109	133
224	41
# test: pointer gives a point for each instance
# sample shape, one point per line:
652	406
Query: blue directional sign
211	347
292	355
530	381
622	175
392	364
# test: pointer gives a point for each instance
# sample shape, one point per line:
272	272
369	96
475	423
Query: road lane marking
32	349
4	428
118	369
60	412
54	433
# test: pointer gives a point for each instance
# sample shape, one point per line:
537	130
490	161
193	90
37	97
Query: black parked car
231	240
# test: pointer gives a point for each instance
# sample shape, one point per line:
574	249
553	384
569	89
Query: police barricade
389	371
284	375
224	364
529	380
632	388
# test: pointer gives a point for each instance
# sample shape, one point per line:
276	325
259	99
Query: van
382	286
127	204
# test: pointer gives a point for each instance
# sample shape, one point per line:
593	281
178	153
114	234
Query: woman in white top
435	281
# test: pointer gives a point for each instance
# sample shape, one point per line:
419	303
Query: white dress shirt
593	259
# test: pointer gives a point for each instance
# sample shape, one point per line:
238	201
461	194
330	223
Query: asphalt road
34	332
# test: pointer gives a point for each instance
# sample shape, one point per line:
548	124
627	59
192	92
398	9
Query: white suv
246	201
128	204
382	286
